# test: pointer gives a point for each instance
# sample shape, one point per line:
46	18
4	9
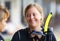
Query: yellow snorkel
47	22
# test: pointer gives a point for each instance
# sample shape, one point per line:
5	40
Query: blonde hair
39	8
5	10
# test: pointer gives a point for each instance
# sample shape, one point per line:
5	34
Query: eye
28	15
34	14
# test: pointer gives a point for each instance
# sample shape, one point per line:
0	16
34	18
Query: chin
33	25
1	31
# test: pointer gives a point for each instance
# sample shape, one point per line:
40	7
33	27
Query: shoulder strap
48	36
22	31
19	35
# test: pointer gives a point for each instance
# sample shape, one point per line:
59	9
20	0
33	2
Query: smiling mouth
32	22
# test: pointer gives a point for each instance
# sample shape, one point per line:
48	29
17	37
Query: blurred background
16	19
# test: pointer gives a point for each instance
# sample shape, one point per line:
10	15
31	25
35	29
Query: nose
31	16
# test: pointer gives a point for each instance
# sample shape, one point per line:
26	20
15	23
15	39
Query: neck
37	28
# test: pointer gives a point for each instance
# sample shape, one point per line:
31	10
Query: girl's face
2	20
33	17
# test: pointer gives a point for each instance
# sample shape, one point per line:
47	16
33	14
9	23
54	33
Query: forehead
32	9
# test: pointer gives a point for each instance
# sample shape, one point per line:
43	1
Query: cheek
1	26
39	17
39	20
27	19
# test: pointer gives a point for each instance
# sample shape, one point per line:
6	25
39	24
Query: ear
6	15
42	18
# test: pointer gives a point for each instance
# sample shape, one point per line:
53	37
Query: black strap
19	35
